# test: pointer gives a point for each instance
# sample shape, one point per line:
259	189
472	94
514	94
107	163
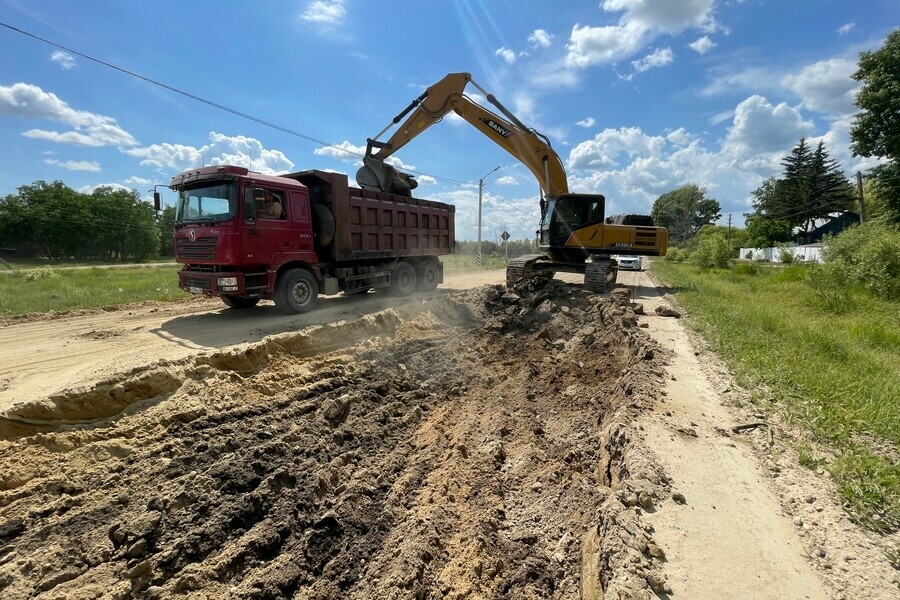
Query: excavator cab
568	213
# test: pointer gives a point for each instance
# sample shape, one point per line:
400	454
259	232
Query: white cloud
845	29
221	150
761	132
641	23
90	189
590	46
588	122
344	151
426	180
89	129
702	45
399	164
325	14
507	180
506	54
664	15
722	116
609	144
826	86
658	58
679	137
540	38
63	59
75	165
134	180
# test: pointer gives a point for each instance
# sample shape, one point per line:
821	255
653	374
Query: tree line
54	221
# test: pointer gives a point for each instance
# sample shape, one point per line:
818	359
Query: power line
210	102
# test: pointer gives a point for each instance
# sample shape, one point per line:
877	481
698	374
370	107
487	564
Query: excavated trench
471	446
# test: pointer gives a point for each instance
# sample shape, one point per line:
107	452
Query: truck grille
203	248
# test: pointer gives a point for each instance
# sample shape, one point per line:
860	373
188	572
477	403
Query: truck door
267	231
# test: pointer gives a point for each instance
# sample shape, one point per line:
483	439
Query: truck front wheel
240	301
296	291
403	279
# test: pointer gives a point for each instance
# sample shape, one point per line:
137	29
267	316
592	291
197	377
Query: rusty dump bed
370	224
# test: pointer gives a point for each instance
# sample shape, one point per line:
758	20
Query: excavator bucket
375	174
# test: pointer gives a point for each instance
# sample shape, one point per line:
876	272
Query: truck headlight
227	284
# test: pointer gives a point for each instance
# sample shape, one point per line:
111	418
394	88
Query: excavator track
598	274
519	268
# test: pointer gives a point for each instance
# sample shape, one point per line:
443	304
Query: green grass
834	374
459	263
46	289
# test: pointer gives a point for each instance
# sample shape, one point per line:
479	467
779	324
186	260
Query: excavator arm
526	145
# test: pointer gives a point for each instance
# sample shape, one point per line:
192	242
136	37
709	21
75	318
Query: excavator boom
526	145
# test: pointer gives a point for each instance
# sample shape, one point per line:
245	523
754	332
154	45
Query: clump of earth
474	445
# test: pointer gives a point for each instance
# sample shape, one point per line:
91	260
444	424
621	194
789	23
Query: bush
712	251
868	254
676	255
786	256
745	269
829	284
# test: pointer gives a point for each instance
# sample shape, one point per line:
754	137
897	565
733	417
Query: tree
812	187
684	211
763	233
165	224
876	129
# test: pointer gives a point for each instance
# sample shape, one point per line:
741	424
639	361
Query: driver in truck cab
271	206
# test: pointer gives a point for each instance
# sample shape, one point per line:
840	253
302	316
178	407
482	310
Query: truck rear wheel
240	301
296	291
429	273
403	279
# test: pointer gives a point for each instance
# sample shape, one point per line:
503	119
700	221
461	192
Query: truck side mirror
157	200
249	204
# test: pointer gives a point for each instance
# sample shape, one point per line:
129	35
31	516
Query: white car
629	263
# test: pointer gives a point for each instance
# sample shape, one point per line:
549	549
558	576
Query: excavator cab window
568	213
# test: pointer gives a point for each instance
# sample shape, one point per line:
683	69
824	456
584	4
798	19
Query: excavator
574	235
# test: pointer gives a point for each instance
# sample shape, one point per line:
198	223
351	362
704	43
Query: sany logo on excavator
497	127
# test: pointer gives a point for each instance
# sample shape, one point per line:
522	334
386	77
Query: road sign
505	235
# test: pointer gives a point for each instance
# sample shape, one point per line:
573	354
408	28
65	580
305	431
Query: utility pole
480	189
729	229
862	203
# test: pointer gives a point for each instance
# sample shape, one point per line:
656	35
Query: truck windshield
209	203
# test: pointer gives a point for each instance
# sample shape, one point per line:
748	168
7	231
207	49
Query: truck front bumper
212	283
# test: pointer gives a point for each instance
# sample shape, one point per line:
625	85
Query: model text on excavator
574	236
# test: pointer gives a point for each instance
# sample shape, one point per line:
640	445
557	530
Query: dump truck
245	236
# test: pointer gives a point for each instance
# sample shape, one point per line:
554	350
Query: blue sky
638	97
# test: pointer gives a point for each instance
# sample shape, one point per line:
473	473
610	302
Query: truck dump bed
370	224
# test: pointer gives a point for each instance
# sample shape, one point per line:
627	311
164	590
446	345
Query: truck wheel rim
300	293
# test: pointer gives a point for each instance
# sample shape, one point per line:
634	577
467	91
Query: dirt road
475	443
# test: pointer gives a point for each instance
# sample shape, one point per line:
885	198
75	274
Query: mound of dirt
471	446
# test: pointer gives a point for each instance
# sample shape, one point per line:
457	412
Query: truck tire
403	279
240	301
428	273
296	292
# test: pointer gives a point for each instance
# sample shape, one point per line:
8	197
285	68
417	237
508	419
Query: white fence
811	253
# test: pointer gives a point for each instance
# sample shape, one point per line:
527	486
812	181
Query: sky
638	97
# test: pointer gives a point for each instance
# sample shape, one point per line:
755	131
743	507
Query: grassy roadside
835	375
48	289
63	288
